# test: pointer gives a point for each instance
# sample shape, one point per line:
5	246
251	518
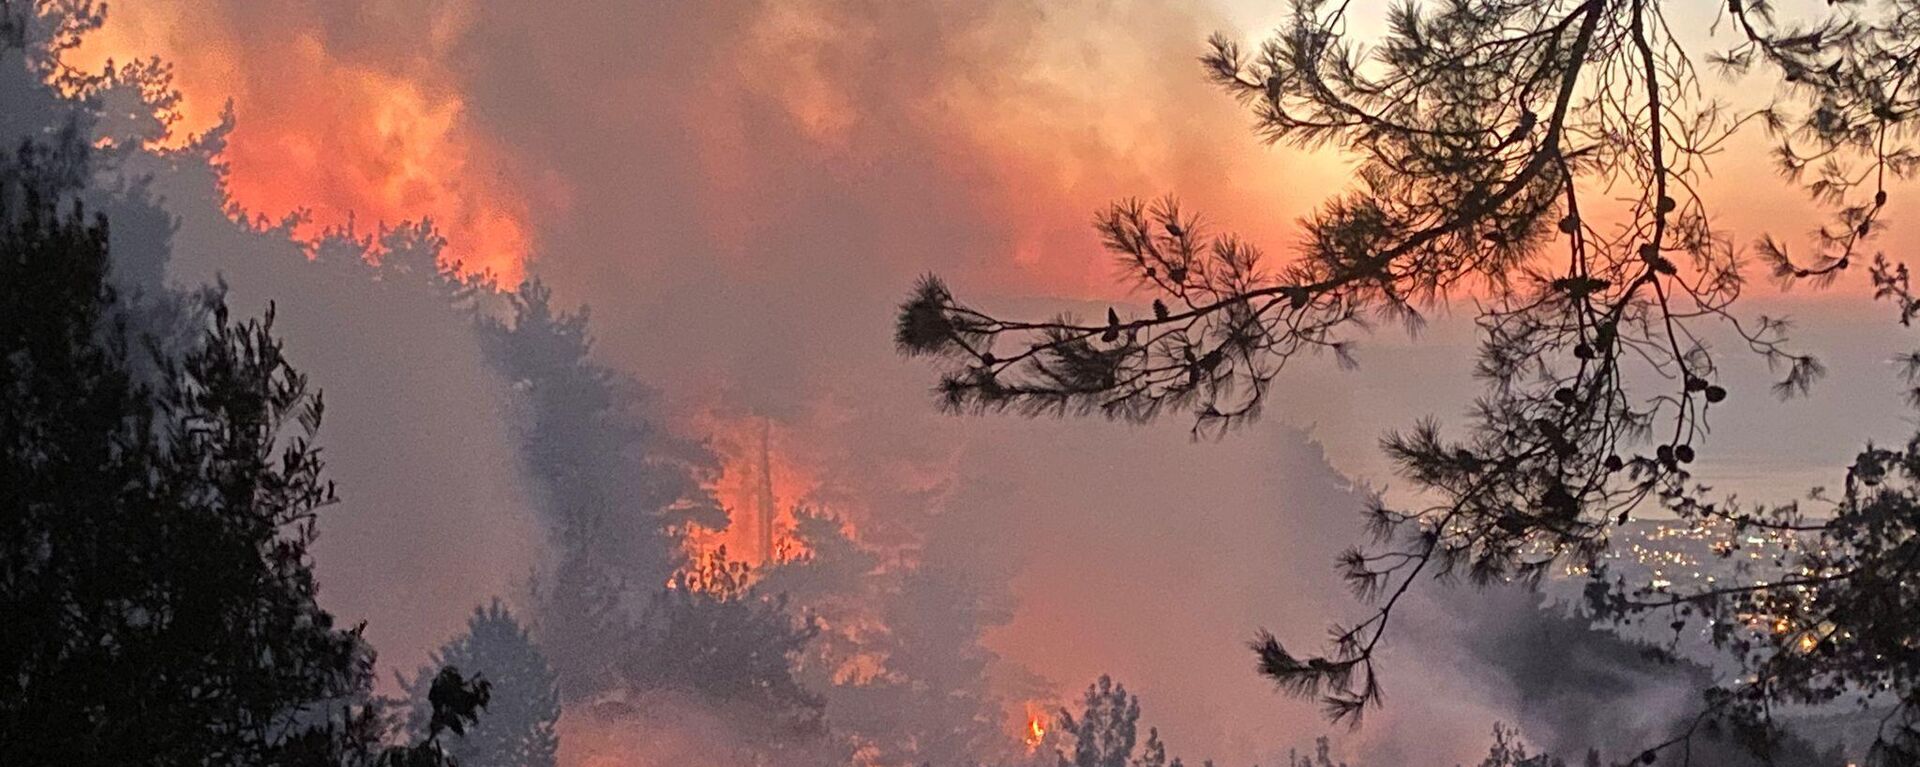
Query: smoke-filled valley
621	422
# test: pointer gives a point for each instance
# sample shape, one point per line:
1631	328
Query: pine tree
155	578
1105	732
1322	755
517	730
616	488
715	635
159	492
1153	753
158	503
1492	139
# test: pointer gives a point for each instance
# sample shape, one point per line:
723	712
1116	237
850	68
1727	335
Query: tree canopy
159	490
1547	159
517	729
159	594
161	495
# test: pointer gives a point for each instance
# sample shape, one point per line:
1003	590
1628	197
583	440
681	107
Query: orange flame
333	138
1036	732
760	483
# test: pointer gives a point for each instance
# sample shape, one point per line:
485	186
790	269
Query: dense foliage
159	595
159	482
616	490
160	497
517	729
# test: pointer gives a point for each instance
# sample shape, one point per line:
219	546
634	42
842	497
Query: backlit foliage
1544	159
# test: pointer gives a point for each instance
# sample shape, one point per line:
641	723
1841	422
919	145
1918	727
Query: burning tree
1547	158
713	633
617	490
898	657
624	613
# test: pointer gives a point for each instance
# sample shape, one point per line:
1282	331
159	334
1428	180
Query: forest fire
759	485
666	568
322	142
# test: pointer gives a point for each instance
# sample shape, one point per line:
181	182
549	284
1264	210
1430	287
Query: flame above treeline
761	485
1016	134
327	141
385	131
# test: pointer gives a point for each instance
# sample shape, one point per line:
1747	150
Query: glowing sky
742	190
377	110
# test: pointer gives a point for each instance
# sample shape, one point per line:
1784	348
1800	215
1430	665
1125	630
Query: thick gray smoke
742	191
753	186
434	519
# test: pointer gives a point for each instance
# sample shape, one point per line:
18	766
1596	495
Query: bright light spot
1036	732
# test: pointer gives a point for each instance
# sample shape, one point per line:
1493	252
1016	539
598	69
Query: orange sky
384	136
1103	102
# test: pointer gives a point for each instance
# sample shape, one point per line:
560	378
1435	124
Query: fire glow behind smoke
742	191
760	485
329	136
1036	731
741	198
361	110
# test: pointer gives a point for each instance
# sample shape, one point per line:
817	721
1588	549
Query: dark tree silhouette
1105	733
157	502
159	484
616	490
1508	751
712	633
1545	157
518	729
455	703
1322	755
159	598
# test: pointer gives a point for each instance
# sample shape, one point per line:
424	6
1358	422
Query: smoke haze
742	192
